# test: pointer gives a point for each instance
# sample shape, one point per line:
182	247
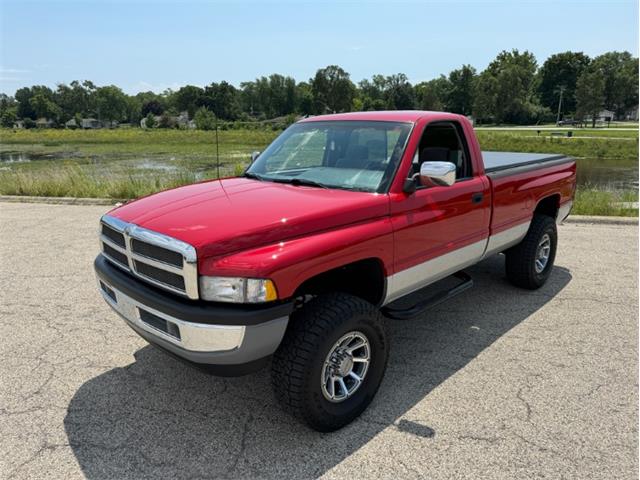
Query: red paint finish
221	217
243	227
516	196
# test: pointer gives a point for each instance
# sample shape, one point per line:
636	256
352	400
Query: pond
605	173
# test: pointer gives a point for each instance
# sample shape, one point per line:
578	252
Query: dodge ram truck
334	228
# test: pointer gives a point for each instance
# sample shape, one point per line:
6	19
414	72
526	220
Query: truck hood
223	216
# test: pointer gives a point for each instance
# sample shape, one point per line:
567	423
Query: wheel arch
363	278
548	205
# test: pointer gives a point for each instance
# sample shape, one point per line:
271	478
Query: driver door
439	230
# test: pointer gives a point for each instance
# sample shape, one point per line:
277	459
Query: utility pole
559	106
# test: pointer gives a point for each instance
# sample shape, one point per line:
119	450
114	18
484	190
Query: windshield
350	155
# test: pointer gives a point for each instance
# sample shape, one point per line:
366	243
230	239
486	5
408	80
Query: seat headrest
357	152
356	156
434	154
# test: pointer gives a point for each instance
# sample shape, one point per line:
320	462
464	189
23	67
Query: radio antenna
217	151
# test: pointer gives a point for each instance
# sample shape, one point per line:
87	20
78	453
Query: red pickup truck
335	226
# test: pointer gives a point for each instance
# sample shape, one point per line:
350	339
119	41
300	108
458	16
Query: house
632	115
180	121
605	116
44	123
90	123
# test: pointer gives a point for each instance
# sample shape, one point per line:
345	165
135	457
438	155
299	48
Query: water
611	174
607	173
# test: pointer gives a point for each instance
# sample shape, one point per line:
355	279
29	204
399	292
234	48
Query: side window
444	142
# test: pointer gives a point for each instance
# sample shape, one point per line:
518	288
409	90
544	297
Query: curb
59	200
590	220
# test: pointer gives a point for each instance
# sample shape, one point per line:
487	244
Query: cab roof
411	116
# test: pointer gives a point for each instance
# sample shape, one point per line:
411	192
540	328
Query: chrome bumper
201	343
196	337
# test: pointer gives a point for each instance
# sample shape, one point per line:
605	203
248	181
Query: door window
444	142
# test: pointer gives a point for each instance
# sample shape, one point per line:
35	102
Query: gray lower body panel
204	344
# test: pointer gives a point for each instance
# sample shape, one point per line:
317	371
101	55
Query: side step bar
466	282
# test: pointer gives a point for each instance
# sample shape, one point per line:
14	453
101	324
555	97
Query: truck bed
498	161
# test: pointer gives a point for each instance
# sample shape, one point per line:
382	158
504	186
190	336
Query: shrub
150	120
205	119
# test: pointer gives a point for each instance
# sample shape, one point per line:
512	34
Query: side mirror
437	174
254	156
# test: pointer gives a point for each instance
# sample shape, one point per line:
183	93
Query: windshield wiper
255	176
300	182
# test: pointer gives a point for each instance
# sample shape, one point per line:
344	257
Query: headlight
237	290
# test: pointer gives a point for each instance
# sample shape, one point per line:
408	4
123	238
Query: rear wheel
331	361
529	264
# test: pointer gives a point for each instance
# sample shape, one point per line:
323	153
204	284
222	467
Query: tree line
513	89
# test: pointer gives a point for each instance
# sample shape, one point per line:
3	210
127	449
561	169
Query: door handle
477	197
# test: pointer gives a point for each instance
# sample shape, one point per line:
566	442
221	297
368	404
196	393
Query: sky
142	45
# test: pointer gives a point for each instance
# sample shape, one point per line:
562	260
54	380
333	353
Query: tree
371	94
8	117
485	97
590	94
432	95
150	120
8	110
620	73
561	71
43	107
222	99
459	95
152	106
505	90
187	99
111	103
304	98
398	92
332	90
24	95
205	119
75	98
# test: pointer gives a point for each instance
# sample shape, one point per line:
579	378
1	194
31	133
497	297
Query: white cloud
13	70
143	86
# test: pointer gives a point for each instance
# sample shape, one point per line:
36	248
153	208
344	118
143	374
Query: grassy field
128	163
594	201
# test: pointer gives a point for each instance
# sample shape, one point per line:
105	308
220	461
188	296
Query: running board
466	282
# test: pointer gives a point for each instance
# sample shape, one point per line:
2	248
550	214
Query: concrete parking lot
498	383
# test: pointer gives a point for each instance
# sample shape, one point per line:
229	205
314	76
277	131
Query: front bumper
227	340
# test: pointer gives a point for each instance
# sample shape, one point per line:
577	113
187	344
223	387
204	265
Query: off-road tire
520	259
298	362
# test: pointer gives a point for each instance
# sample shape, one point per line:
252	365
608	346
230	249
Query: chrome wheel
542	254
345	367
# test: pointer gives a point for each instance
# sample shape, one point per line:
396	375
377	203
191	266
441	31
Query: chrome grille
153	257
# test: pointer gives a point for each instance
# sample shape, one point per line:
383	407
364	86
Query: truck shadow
158	418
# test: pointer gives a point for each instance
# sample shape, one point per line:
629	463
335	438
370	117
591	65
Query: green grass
599	202
131	142
128	163
602	147
73	181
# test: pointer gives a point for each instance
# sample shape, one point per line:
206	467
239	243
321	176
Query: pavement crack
243	446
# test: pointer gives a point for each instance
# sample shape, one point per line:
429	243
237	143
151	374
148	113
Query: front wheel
529	264
331	361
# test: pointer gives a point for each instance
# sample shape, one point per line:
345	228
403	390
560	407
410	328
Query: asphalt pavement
497	383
